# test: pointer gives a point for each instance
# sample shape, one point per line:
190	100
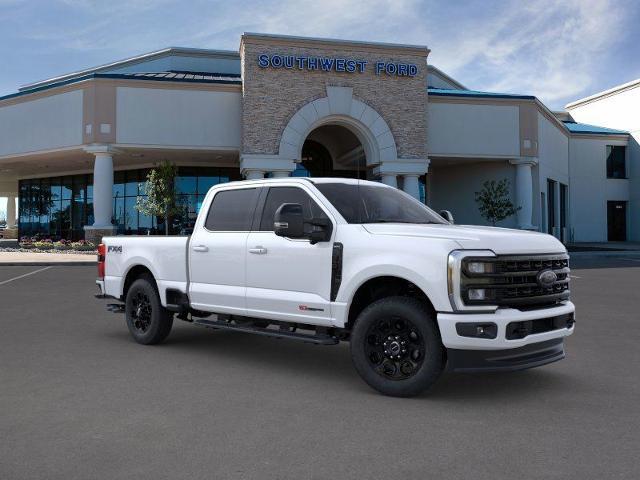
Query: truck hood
504	241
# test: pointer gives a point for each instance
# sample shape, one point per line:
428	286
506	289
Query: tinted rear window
232	210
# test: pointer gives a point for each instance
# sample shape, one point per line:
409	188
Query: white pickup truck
325	260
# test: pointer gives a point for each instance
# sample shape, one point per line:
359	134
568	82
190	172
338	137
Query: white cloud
545	48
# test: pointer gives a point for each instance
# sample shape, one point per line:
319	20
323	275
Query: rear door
217	252
288	279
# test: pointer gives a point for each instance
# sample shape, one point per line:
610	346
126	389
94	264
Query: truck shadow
332	367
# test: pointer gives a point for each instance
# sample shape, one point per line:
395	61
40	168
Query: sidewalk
604	247
35	259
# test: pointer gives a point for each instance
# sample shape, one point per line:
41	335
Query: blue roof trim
585	128
226	80
444	92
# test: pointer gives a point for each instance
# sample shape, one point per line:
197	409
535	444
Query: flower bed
44	245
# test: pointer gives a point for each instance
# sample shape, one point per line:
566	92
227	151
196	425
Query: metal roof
475	93
585	128
135	60
186	77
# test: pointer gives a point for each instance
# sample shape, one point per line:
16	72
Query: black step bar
318	339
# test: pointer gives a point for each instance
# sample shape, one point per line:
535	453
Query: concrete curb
47	264
606	253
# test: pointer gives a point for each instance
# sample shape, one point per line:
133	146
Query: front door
218	251
617	221
288	279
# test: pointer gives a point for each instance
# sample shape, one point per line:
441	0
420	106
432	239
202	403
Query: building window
551	206
616	161
564	199
60	207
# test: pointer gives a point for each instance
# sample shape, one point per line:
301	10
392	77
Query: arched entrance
338	135
332	151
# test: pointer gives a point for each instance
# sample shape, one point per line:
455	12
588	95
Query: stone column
409	169
253	174
11	211
102	193
390	179
524	191
411	185
253	165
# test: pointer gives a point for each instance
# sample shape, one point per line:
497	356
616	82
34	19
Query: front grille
516	281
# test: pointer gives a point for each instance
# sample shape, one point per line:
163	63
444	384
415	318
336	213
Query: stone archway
340	108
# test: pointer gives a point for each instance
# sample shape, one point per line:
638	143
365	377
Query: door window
279	195
232	210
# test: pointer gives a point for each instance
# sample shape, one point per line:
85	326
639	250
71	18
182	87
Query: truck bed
165	257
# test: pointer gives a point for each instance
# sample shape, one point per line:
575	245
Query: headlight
458	268
476	267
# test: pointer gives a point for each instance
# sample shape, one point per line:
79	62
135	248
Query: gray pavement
80	400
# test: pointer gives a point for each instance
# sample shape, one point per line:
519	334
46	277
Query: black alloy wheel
396	346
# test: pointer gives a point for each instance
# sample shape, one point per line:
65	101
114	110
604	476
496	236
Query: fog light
477	294
477	330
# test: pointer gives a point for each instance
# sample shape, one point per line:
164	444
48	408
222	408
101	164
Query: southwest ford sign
334	64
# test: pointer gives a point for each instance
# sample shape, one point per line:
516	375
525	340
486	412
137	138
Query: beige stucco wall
467	129
178	117
271	96
54	121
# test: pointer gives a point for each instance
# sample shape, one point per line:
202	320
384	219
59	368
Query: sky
557	50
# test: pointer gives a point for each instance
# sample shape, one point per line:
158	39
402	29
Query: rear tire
148	321
396	346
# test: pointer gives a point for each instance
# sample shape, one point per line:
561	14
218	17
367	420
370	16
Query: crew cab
325	260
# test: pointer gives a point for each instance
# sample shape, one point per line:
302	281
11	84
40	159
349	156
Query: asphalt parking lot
80	400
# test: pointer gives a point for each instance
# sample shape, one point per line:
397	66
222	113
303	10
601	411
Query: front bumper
501	318
529	356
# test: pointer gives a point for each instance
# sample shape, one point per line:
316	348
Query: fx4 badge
310	309
114	249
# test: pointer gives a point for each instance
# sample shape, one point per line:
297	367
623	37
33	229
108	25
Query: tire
396	347
148	321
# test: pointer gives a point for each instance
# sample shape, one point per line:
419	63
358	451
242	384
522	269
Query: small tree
494	201
160	191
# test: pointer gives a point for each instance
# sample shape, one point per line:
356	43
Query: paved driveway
79	399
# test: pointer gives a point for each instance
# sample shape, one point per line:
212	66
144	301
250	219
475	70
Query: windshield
373	204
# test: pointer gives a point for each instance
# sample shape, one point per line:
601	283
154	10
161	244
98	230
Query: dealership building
75	150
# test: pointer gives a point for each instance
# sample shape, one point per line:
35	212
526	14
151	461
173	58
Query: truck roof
301	180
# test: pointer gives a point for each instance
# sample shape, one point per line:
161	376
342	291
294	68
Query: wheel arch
381	286
133	273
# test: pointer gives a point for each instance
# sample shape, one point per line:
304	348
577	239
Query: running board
318	339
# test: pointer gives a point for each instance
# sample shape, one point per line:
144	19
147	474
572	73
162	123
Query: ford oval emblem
546	278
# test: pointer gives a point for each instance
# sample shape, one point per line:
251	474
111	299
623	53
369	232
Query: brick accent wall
271	96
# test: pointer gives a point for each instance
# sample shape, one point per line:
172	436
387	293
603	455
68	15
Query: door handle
258	250
200	248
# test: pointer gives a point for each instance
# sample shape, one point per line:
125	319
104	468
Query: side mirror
289	221
446	214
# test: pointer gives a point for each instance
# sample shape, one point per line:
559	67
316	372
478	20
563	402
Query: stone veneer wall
271	96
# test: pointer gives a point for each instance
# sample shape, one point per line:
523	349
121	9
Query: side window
232	210
279	195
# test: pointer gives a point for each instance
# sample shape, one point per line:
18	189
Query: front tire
396	346
148	321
